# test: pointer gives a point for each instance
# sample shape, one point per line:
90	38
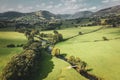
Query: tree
83	65
113	21
27	33
57	36
55	51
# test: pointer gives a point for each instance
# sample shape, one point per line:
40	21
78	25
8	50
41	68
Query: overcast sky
55	6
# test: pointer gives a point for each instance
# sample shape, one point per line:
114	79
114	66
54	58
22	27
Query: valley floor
101	56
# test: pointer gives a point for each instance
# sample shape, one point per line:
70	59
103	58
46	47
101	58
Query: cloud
56	6
49	7
10	9
105	1
109	1
20	6
92	8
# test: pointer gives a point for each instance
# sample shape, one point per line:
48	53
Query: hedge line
24	66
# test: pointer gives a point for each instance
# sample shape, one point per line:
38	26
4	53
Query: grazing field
6	53
51	68
101	56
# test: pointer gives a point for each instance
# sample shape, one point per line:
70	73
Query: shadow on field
46	66
84	73
115	33
70	38
82	34
62	56
94	30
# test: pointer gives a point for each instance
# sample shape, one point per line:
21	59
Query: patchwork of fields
101	56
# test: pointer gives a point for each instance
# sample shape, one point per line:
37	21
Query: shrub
57	37
105	38
10	45
71	60
60	37
83	65
76	61
55	52
80	33
20	45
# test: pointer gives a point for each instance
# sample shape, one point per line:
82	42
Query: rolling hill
11	15
46	15
83	14
115	10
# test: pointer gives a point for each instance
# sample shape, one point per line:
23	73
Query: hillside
45	20
10	15
81	14
46	15
115	10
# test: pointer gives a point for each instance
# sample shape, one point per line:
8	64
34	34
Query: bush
80	33
10	45
105	38
76	61
60	37
20	45
55	52
57	38
71	60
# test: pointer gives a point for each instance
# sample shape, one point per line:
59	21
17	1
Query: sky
56	6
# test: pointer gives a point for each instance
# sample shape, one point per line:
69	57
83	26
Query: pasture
101	56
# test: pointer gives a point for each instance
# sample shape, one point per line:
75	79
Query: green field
6	53
51	69
102	56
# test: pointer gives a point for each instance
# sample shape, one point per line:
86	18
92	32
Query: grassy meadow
6	53
55	69
101	56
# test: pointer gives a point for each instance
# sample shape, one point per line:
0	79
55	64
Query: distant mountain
64	16
10	15
46	15
82	14
115	10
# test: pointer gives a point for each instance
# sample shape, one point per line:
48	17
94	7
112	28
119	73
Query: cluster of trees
57	37
77	63
13	45
5	24
30	34
113	21
44	25
21	27
52	26
53	38
44	35
23	66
